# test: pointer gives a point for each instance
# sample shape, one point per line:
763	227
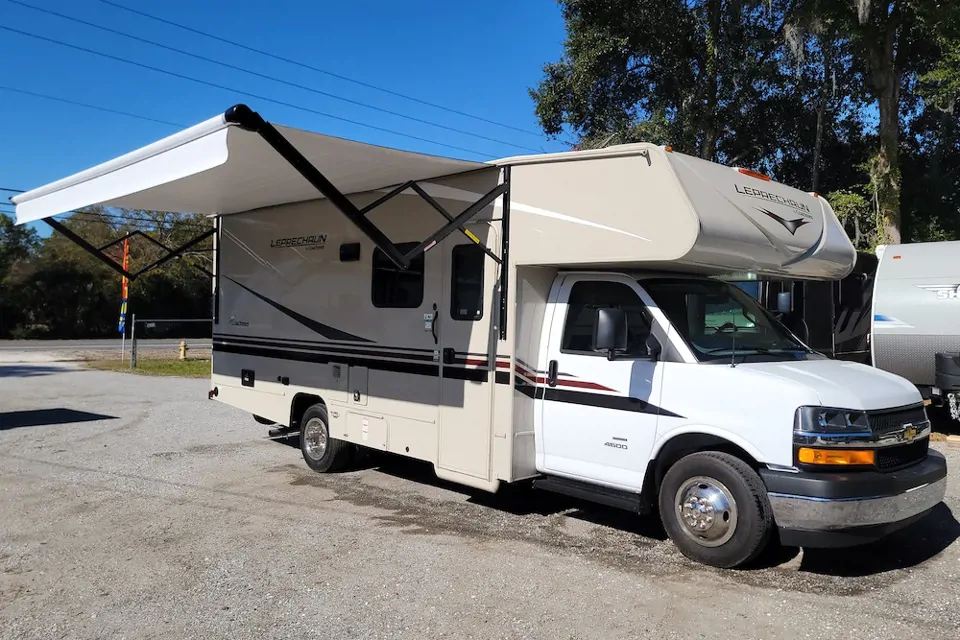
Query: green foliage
827	95
941	85
858	216
55	289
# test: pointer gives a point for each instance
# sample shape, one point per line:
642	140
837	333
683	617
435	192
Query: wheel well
684	445
302	402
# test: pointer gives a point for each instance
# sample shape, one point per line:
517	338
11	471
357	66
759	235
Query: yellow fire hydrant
183	349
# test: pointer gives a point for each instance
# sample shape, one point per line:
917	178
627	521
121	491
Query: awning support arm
105	259
175	253
139	233
436	205
412	184
448	228
86	246
249	120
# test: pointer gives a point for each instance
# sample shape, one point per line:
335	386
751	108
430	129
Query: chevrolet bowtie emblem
789	225
909	432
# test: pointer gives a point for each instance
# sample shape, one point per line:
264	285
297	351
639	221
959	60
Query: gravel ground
134	507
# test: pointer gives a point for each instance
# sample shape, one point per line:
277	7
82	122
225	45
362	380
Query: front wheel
715	509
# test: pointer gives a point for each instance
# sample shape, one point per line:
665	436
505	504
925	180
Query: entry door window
466	286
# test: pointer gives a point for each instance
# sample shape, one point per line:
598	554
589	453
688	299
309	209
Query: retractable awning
221	167
239	162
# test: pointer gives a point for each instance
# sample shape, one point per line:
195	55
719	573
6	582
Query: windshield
720	321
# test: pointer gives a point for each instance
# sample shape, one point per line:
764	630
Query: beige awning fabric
218	168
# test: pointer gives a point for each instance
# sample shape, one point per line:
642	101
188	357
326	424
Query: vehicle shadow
27	370
47	417
519	500
909	547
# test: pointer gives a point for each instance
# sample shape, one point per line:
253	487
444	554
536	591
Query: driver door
598	417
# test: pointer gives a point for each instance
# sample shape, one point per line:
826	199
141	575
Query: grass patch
156	367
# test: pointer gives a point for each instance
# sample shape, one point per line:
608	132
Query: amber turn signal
753	174
835	456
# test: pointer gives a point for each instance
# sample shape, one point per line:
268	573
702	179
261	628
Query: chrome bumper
825	514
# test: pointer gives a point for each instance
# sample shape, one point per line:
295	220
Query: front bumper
843	509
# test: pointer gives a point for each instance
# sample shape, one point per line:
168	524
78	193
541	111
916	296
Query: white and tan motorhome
548	318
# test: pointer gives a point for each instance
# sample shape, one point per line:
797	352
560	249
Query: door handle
448	355
433	323
552	369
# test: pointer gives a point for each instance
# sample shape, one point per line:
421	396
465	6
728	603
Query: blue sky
476	57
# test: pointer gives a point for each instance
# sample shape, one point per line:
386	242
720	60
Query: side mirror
784	302
609	331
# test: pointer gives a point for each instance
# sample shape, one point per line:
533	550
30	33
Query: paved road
134	507
82	345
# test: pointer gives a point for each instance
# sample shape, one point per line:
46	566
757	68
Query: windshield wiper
746	351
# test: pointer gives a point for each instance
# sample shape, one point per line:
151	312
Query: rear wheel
715	509
321	452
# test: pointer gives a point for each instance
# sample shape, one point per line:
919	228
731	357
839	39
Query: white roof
218	168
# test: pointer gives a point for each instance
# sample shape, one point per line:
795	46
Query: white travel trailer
916	317
544	318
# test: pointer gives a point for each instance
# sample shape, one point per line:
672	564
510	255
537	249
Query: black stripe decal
321	358
617	403
473	375
451	373
372	352
296	342
318	327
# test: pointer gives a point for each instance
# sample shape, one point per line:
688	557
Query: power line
237	91
269	77
88	106
11	190
317	69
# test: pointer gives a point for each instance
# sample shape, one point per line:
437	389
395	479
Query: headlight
827	420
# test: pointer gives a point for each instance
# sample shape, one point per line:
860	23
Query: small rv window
588	295
393	287
466	287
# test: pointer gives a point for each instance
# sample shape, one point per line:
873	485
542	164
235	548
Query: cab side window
588	295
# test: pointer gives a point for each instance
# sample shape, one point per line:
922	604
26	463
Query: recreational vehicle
546	319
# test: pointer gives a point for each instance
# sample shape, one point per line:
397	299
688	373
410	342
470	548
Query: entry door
599	419
468	357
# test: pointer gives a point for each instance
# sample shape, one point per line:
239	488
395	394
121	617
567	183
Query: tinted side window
585	297
466	287
394	287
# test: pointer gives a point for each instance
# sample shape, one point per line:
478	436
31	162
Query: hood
845	385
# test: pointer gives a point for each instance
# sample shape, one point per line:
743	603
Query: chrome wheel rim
706	511
315	438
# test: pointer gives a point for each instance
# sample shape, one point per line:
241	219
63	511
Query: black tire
751	516
263	420
334	455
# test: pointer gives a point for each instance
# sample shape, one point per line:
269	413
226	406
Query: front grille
901	455
882	422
